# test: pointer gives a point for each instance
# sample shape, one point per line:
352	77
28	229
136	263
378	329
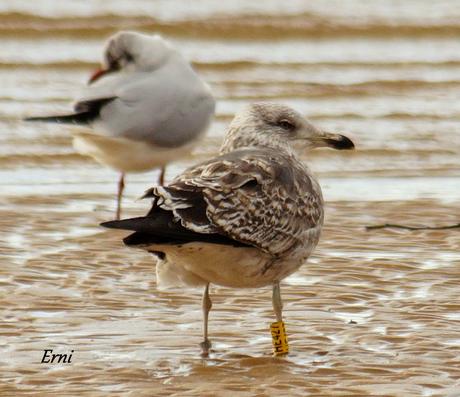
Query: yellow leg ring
279	338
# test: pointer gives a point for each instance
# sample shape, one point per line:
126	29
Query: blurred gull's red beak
97	74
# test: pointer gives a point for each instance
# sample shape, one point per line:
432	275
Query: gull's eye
128	57
286	125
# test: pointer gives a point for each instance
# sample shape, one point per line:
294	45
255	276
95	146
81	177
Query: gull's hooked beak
313	137
337	141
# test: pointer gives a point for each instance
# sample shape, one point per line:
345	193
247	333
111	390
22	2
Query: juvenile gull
146	107
247	218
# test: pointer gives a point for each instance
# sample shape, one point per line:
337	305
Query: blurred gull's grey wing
168	107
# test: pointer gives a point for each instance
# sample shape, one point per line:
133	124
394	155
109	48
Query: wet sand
373	313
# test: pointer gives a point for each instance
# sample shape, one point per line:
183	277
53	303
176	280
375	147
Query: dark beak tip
344	143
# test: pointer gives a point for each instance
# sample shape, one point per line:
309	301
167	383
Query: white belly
199	263
127	155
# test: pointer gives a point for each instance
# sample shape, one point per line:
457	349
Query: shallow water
372	313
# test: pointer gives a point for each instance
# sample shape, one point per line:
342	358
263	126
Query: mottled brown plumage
247	218
262	197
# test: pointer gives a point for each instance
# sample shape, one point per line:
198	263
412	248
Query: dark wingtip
48	119
343	143
110	224
124	224
32	119
140	224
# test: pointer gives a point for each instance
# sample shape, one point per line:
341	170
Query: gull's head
278	126
131	51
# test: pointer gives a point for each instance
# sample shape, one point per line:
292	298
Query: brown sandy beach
372	313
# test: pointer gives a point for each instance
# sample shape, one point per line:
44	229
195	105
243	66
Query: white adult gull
247	218
146	107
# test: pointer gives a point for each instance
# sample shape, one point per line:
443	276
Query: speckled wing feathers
260	197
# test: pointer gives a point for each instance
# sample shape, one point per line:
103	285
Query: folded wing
255	197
